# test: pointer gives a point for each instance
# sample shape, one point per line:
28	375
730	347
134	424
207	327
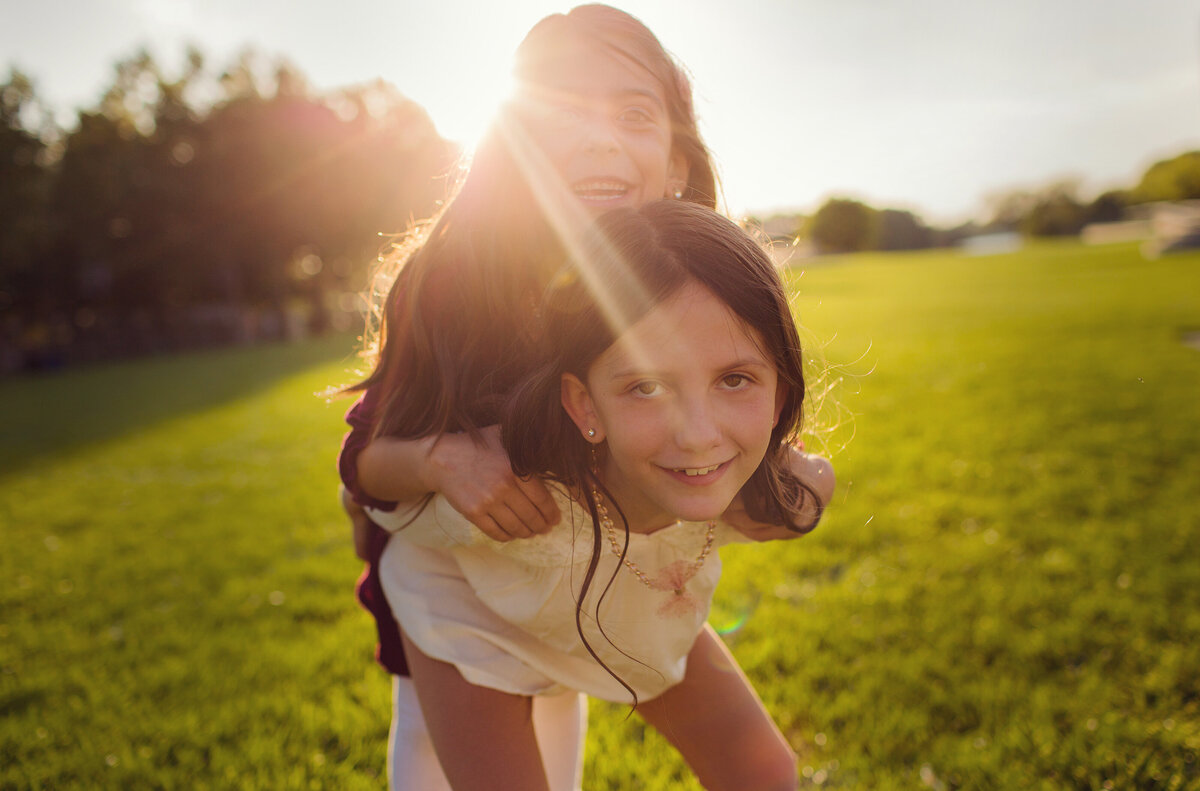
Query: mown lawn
1005	595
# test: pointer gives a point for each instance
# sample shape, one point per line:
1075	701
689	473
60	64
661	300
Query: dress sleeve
361	419
435	523
429	523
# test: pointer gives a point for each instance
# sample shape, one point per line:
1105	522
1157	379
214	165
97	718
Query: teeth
605	188
692	472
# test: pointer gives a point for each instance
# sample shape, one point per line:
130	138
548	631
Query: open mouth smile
698	475
693	472
601	189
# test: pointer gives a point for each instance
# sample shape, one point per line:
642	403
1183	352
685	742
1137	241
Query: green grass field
1005	594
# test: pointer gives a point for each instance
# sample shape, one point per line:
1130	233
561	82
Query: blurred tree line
207	208
200	209
842	224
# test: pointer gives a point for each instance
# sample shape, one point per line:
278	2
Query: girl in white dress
669	390
602	118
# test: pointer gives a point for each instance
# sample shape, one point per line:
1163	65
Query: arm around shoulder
473	473
396	469
816	473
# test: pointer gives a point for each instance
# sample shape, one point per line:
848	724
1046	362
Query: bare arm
360	524
394	469
814	471
475	478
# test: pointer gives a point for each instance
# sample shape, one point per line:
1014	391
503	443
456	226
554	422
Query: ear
677	175
578	403
781	393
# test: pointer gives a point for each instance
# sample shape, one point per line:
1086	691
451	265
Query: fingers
538	496
519	517
478	481
516	508
492	528
516	517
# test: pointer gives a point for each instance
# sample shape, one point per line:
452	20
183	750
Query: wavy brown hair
449	338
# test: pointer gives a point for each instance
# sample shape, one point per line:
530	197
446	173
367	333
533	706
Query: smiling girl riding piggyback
602	118
667	380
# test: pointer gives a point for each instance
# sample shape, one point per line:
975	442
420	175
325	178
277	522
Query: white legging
559	722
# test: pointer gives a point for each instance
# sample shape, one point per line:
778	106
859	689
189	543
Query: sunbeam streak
569	220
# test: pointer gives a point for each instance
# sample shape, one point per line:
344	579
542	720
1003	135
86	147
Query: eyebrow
748	362
647	94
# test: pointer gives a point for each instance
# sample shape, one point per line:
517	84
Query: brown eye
735	381
637	116
647	388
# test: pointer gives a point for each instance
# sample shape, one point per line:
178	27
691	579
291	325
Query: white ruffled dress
503	613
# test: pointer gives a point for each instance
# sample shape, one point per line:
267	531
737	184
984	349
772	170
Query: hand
814	471
359	522
478	481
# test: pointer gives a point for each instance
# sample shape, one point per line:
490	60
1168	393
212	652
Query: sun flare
462	102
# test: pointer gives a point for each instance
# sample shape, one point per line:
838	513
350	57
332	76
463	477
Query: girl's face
685	400
602	123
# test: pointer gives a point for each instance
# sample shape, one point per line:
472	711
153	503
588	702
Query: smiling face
602	123
685	402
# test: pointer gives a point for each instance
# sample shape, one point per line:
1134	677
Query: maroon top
390	650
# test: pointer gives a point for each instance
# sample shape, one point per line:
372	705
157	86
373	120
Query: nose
599	137
697	425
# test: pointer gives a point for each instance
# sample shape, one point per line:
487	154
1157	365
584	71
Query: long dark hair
631	261
449	339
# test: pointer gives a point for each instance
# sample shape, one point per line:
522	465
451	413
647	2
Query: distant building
1162	227
1116	232
992	243
1170	226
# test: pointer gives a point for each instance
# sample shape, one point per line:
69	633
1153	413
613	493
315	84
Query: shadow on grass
53	413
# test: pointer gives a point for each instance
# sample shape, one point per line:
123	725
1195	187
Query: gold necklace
677	578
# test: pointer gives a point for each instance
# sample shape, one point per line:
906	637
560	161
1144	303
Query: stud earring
678	193
591	432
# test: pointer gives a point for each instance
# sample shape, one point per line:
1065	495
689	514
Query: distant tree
24	185
1055	211
1007	209
952	237
1107	207
179	199
902	230
1050	210
1172	179
114	198
843	225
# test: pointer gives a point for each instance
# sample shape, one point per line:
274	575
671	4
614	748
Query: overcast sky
920	104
